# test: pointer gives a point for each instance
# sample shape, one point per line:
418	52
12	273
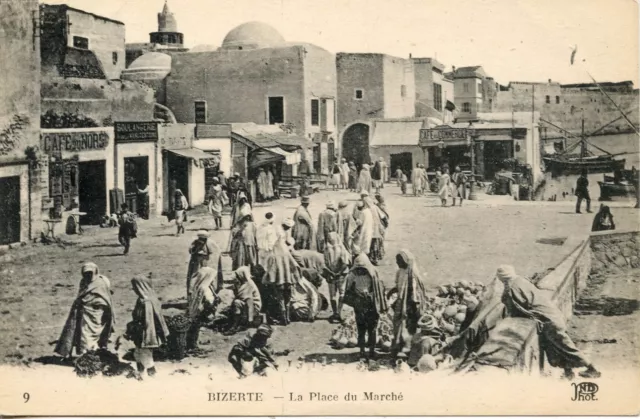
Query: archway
355	144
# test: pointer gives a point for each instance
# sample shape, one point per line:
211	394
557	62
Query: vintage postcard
293	207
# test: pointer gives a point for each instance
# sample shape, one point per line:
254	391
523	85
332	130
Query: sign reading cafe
445	134
59	142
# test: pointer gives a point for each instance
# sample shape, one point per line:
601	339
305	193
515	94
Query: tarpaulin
197	155
271	155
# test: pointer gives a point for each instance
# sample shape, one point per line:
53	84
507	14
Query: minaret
167	33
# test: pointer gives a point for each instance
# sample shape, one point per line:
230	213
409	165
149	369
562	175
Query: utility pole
583	143
471	133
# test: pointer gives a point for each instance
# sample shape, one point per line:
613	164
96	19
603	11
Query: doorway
178	171
451	157
10	210
136	177
355	144
92	191
495	153
402	161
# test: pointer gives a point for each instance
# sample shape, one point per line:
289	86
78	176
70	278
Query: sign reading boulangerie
74	141
131	132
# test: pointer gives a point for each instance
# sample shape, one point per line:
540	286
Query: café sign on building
79	171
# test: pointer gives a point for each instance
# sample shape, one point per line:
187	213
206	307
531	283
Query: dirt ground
464	243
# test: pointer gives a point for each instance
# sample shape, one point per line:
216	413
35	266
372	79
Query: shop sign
59	142
133	132
431	137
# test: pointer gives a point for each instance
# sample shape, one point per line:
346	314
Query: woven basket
177	341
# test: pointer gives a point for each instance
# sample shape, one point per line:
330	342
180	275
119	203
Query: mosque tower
167	34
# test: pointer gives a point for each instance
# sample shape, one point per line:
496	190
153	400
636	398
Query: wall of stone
615	251
103	101
319	82
237	84
399	88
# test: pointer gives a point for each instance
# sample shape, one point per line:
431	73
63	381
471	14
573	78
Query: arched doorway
355	144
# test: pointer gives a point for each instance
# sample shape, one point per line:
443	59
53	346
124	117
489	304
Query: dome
252	35
148	67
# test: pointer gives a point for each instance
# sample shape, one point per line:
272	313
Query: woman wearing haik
91	319
353	177
346	224
344	174
244	245
444	186
242	205
200	250
336	176
364	180
265	185
523	299
202	301
365	293
410	302
416	180
147	329
337	260
363	234
180	205
379	218
266	238
244	311
217	201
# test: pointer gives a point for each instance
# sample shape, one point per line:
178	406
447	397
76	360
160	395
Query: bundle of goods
452	303
177	343
102	362
346	335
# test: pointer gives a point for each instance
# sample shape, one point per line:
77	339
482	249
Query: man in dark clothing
253	352
128	228
582	192
365	293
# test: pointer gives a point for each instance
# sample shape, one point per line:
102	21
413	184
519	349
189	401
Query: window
276	110
465	87
557	100
437	97
114	58
80	42
466	107
359	94
403	90
547	99
315	112
200	111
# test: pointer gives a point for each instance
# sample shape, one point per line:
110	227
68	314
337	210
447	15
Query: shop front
137	167
80	172
214	139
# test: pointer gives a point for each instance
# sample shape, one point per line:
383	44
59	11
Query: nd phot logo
584	392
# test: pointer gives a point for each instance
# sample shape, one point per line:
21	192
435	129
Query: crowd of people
279	268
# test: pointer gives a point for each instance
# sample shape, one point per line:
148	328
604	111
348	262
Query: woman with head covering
378	217
382	206
410	303
336	261
242	205
353	177
265	186
202	301
523	299
444	186
603	220
200	250
304	231
306	301
244	245
336	176
147	329
217	200
364	180
365	293
244	311
346	224
91	319
266	238
281	272
180	205
363	234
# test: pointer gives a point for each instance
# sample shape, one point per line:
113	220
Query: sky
513	40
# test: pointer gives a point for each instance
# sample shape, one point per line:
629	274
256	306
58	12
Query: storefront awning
197	156
263	156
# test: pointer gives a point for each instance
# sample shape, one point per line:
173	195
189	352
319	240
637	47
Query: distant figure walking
180	205
364	181
444	186
582	192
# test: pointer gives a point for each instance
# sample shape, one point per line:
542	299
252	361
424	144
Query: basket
177	341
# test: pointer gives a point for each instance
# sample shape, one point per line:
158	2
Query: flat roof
66	7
